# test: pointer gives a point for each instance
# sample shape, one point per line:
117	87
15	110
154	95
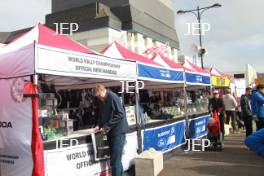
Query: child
214	125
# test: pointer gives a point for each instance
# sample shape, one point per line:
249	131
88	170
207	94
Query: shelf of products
131	115
61	112
175	111
55	126
197	102
65	111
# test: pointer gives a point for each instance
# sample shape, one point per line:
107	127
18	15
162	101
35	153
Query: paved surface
234	160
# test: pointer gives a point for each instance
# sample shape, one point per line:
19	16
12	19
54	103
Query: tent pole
37	144
186	110
138	120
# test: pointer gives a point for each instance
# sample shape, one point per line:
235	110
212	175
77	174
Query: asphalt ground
234	160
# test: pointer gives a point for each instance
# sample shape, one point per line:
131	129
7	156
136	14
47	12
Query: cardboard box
149	163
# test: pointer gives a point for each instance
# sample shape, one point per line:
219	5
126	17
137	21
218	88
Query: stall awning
147	69
42	51
45	36
219	79
166	62
195	75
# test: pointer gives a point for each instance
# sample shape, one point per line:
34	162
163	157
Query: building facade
136	24
249	75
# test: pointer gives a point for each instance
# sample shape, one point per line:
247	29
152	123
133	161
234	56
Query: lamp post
198	12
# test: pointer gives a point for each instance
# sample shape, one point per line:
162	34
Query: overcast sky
236	36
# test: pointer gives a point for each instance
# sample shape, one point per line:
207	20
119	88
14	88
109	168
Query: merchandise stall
41	133
195	95
220	80
198	85
163	126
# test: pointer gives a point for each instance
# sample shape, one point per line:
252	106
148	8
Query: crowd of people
242	114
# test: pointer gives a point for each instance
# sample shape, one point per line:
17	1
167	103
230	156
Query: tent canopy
148	70
166	62
116	50
215	72
192	67
42	51
45	36
195	75
220	79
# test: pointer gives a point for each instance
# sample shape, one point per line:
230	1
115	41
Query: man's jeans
116	144
231	115
248	125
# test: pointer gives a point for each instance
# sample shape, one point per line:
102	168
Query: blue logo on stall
198	126
162	142
172	130
199	78
165	73
165	137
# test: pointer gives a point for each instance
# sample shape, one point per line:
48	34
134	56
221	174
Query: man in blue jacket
256	142
112	120
257	105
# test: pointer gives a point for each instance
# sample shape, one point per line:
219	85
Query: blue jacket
256	142
257	105
112	115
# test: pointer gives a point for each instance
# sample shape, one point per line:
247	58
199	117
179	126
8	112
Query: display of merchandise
198	107
100	146
175	111
131	115
52	123
146	118
59	116
55	127
62	112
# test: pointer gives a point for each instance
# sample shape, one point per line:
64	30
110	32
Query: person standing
245	103
216	105
257	104
112	120
230	105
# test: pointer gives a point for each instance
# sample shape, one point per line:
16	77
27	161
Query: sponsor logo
17	90
165	73
171	140
6	125
199	78
172	130
161	142
164	133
